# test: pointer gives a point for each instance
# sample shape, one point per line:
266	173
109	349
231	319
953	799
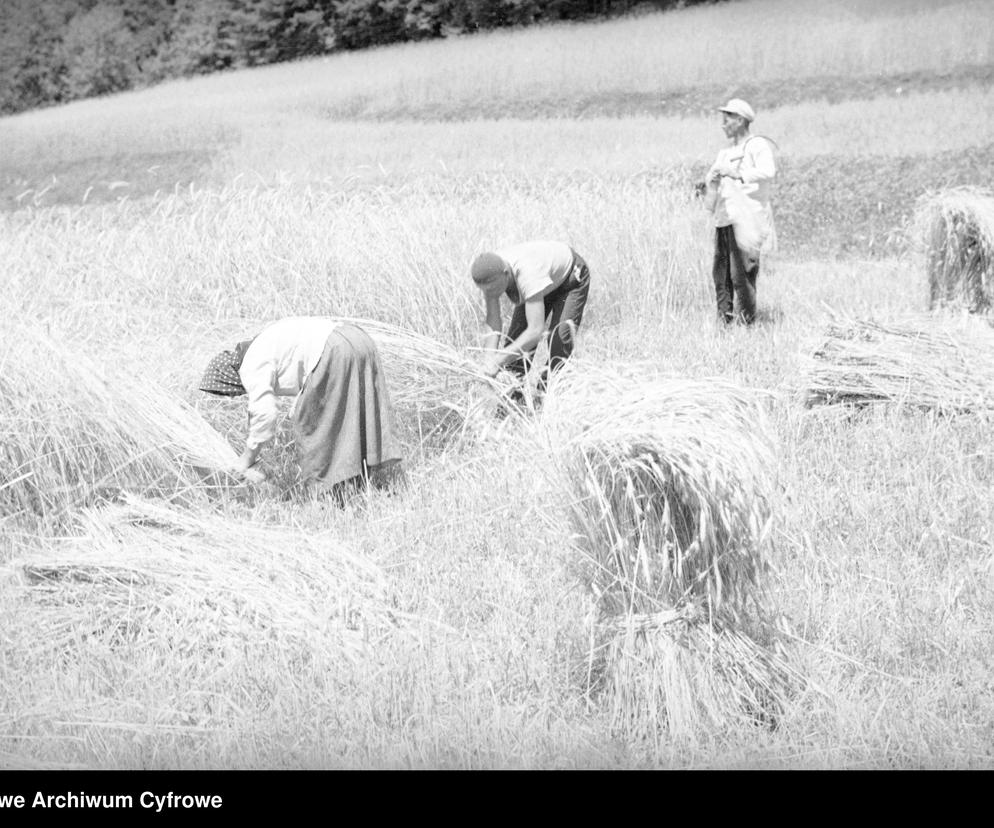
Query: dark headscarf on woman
221	376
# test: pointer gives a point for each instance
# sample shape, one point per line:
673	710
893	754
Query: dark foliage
53	51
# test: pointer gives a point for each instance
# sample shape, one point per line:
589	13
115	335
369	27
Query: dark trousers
564	313
734	278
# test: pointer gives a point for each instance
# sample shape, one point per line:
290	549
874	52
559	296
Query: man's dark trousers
735	275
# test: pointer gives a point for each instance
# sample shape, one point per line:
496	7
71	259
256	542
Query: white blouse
277	364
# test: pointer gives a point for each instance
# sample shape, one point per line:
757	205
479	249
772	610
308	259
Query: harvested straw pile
923	362
195	589
70	432
955	229
670	486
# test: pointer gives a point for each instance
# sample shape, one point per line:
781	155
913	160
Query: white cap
736	106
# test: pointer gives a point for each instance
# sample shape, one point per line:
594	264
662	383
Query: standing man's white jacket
746	203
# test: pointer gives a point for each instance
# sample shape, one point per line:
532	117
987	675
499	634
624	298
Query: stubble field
143	233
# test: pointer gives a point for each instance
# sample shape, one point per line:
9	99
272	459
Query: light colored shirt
277	364
536	267
754	161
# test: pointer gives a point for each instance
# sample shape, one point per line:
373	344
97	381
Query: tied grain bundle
669	485
955	229
936	363
194	592
70	432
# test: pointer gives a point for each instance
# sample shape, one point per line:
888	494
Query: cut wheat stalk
669	485
72	431
428	372
954	228
192	583
696	676
439	391
938	363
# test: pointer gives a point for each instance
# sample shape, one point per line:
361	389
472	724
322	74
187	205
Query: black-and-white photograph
478	385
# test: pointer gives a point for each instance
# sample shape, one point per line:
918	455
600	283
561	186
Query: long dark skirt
343	422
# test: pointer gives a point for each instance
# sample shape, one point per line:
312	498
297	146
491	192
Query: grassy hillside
837	85
145	232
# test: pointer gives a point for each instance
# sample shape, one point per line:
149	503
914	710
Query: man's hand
491	366
246	466
727	170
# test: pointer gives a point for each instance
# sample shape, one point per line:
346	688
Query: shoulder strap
746	143
776	146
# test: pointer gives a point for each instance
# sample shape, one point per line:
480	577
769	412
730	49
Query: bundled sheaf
940	363
670	486
955	230
183	583
71	430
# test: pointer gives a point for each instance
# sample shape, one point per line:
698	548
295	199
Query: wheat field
144	232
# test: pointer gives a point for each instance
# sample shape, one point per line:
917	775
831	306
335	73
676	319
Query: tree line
53	51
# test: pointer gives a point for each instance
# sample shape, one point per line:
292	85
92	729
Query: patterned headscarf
221	376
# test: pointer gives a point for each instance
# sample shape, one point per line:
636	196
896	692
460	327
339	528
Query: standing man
739	182
545	281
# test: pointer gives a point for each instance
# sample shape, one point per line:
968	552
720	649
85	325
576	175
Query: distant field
513	73
831	81
149	230
850	170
